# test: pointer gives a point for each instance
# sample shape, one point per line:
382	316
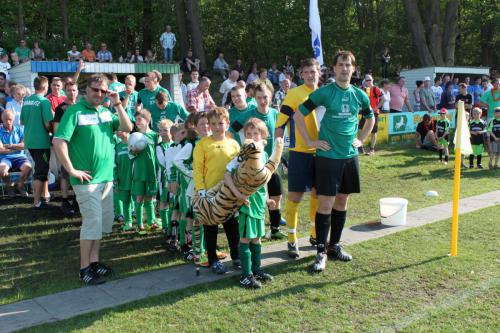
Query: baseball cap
427	78
443	111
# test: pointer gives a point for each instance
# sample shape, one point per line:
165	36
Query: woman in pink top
399	96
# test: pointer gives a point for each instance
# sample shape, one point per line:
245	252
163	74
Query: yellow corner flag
462	147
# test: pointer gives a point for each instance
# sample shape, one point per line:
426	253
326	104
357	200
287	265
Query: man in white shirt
194	80
168	40
220	66
438	91
227	85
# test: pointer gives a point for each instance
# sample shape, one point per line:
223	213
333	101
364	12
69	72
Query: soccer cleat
119	218
313	241
202	261
127	226
293	250
471	166
41	205
278	235
319	262
189	255
89	277
335	252
263	276
250	282
100	269
219	268
479	166
45	199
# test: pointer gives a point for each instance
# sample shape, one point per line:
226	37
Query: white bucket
393	211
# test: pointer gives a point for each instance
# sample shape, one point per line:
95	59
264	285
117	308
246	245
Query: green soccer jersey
116	86
234	112
163	146
23	52
132	101
339	125
148	98
123	167
89	132
269	119
144	165
442	127
173	111
36	112
251	101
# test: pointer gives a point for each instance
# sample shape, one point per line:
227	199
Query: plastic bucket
393	211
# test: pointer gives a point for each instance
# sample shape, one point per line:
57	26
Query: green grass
404	282
39	250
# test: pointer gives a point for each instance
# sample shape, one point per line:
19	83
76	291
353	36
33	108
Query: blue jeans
168	53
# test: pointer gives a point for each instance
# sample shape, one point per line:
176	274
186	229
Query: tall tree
194	20
64	13
147	13
180	14
20	18
435	45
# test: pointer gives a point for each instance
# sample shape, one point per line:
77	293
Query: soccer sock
471	159
138	213
275	219
479	158
150	212
255	248
118	208
446	158
164	218
337	225
440	154
125	202
313	207
246	259
292	219
322	225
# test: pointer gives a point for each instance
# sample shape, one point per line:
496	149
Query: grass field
404	282
39	250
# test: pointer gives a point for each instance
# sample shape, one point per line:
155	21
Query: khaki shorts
96	207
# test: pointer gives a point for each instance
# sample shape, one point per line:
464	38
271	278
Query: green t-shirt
269	119
89	132
23	52
148	98
492	98
123	167
173	111
234	112
251	101
442	127
116	86
144	165
36	112
339	125
132	101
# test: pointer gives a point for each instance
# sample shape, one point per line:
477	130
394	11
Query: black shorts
300	172
337	176
375	126
274	187
41	159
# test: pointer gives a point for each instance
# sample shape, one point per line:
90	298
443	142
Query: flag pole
456	179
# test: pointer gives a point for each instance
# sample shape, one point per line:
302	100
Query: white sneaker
320	262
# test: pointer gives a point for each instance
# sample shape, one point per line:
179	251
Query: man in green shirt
36	116
84	143
22	51
238	97
147	95
337	173
164	108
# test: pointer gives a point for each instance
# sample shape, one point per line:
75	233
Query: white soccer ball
137	141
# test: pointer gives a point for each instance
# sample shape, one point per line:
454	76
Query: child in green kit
164	127
123	180
252	214
442	131
494	130
144	172
477	129
183	161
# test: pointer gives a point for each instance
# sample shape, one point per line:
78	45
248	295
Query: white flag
315	25
462	134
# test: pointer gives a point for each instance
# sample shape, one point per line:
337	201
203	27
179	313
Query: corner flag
315	25
462	147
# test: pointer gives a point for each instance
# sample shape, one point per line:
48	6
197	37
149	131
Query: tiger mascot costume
219	203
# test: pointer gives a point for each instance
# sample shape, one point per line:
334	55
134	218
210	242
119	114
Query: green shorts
146	189
443	142
251	227
477	149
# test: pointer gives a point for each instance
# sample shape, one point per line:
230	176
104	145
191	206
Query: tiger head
250	150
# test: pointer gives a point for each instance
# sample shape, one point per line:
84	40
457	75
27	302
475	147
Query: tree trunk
194	21
20	19
450	32
147	13
180	14
434	34
418	31
45	20
64	13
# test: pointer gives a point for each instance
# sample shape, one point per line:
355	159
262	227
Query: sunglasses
102	91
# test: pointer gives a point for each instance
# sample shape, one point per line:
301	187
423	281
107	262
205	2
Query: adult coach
84	145
337	168
301	158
